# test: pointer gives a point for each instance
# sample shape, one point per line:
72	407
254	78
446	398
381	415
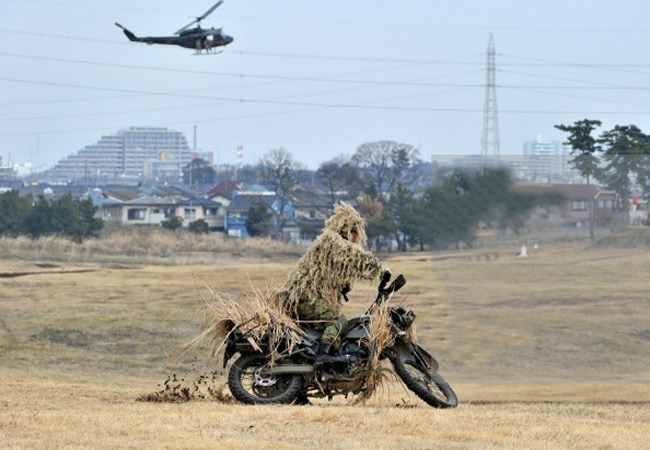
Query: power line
315	104
547	62
595	84
316	79
242	75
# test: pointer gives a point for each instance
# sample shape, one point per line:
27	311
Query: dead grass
257	313
42	414
122	244
549	351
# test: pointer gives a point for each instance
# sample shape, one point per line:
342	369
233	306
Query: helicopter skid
207	52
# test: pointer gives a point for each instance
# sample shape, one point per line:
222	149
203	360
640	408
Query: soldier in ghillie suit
314	289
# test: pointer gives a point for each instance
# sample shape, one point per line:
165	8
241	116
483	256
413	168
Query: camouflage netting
331	262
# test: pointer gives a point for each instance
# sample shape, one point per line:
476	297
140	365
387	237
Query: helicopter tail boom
129	34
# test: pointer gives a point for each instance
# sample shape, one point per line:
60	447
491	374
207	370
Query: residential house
224	192
196	208
147	210
237	213
312	206
109	203
126	207
573	210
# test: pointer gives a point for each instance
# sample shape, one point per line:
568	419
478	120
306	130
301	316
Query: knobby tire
426	384
285	389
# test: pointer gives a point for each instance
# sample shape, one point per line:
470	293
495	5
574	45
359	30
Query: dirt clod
205	387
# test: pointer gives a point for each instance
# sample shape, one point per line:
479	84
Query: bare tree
279	169
384	163
341	179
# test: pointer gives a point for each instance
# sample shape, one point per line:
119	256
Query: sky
318	78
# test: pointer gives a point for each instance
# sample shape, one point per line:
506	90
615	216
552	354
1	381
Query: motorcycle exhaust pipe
291	369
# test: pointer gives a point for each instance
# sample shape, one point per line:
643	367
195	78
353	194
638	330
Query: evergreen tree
584	148
199	172
66	216
14	209
258	222
627	158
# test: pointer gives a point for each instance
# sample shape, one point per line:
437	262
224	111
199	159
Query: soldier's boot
302	399
323	356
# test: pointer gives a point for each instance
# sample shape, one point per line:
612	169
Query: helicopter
195	38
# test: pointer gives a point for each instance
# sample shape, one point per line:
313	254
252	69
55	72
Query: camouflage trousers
321	316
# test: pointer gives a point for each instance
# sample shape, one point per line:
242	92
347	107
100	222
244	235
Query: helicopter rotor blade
209	11
186	26
199	19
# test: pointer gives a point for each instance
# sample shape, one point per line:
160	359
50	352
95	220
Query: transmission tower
490	140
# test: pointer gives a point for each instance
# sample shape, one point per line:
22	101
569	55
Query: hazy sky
318	78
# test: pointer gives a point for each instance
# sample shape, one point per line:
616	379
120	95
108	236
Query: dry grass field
546	352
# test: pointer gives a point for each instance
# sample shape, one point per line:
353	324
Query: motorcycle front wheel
426	384
250	382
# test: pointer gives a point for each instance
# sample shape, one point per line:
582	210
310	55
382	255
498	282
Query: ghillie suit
312	291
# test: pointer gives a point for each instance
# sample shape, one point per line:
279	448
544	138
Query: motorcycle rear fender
226	356
404	349
237	344
231	349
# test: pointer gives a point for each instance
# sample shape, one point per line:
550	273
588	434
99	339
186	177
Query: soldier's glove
344	290
385	277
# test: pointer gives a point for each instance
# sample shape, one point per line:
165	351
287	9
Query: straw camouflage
329	264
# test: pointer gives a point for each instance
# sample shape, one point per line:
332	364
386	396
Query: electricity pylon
490	139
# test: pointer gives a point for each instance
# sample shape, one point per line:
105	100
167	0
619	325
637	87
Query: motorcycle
284	372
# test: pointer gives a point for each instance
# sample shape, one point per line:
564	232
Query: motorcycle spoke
255	382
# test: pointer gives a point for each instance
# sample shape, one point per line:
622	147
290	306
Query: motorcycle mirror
397	284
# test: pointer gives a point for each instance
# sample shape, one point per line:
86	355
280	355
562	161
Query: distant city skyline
318	78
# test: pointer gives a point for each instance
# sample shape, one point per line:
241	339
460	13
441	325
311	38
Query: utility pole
490	139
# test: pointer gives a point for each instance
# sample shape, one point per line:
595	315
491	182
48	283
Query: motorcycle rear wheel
426	384
249	383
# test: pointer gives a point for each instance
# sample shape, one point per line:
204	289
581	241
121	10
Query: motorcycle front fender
405	348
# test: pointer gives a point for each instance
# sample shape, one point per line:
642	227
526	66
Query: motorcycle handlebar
384	292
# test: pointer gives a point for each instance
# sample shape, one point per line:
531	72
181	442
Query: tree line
618	158
66	216
399	201
402	205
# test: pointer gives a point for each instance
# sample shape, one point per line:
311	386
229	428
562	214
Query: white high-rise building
547	159
127	153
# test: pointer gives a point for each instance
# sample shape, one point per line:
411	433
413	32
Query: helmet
346	219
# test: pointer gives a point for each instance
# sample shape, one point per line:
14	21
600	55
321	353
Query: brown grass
127	244
549	351
44	415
